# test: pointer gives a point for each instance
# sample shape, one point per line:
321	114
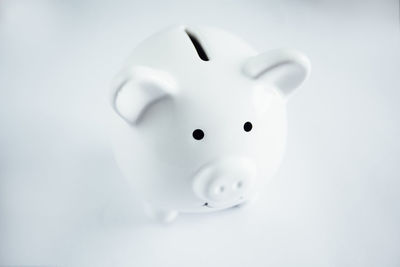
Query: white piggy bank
201	118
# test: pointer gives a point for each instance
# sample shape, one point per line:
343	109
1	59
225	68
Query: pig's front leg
248	201
161	215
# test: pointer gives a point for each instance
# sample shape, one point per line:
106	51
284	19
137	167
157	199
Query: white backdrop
334	202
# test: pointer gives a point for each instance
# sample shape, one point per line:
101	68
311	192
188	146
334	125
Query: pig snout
225	182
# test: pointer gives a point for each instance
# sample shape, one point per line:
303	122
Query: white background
334	202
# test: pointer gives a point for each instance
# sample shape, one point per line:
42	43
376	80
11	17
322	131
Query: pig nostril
220	189
238	185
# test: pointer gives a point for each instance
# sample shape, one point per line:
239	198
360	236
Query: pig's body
201	130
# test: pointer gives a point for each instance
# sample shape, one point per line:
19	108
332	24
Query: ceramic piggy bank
200	118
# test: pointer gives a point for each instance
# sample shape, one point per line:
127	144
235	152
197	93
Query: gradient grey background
334	202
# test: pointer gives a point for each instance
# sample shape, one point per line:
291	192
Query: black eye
247	126
198	134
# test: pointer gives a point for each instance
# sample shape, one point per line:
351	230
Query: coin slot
197	45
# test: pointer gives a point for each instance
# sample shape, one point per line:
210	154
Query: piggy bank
199	120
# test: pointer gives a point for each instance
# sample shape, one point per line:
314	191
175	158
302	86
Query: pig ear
285	69
137	90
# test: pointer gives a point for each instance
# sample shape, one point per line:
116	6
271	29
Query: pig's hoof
161	215
167	216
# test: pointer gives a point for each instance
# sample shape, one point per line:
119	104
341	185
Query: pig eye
198	134
248	126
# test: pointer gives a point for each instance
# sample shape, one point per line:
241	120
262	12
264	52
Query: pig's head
202	117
